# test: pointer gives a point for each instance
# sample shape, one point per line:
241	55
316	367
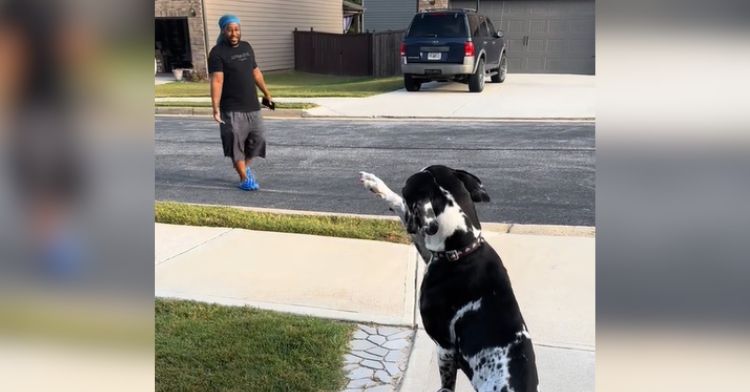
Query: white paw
373	184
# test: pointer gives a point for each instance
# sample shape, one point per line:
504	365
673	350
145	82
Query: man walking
234	75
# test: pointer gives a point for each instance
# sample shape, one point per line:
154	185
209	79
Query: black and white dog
466	300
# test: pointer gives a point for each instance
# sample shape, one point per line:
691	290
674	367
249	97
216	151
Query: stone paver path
377	358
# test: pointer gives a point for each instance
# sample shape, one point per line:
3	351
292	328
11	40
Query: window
484	31
474	25
438	25
491	27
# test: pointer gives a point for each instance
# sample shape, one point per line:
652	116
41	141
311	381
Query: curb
305	114
302	113
204	111
503	228
550	230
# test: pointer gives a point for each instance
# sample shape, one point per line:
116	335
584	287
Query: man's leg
240	167
247	183
255	143
251	179
230	140
248	161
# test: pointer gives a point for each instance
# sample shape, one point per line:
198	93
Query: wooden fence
366	54
386	53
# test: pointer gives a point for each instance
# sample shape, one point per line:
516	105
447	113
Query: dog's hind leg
448	369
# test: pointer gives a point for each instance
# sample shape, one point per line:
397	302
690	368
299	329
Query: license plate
433	56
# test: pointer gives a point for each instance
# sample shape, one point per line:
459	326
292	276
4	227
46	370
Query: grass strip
325	225
297	84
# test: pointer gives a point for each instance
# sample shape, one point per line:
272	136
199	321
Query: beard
232	40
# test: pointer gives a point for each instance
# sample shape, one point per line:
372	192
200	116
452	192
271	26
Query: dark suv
458	45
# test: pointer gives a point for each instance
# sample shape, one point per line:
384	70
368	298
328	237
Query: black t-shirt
238	93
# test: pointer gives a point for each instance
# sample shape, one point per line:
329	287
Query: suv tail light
468	49
403	49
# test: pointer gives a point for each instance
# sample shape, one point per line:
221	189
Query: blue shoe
253	184
247	185
250	177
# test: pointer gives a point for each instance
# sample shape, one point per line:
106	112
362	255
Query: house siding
268	25
383	15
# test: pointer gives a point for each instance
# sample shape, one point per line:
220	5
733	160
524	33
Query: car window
474	25
491	27
448	24
483	29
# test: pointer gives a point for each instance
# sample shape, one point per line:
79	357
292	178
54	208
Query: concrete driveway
521	96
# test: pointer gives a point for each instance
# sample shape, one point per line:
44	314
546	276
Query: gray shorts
242	135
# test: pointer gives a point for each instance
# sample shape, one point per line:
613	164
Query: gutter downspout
205	35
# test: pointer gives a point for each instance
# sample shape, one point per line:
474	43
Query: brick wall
426	4
196	28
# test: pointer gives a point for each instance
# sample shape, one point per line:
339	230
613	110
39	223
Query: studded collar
457	254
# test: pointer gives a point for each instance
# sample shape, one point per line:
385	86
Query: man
234	75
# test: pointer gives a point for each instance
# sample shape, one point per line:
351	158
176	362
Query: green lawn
204	347
297	84
333	226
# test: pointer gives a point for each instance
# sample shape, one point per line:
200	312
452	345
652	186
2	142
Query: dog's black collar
457	254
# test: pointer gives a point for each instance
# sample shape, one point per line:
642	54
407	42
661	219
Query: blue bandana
223	22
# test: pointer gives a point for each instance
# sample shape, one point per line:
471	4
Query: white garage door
543	36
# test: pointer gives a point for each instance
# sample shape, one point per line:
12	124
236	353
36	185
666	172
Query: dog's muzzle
422	217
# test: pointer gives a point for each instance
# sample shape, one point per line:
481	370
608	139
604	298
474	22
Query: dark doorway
172	44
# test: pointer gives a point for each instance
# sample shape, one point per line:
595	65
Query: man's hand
217	117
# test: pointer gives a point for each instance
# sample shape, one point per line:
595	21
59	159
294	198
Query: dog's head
441	200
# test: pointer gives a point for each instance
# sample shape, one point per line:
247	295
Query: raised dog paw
373	184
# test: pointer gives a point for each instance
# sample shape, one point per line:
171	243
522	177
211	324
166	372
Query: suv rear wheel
476	80
410	84
502	70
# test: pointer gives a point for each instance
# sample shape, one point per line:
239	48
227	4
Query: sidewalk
347	279
522	97
370	281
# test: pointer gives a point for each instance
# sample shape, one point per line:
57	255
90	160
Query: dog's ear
473	185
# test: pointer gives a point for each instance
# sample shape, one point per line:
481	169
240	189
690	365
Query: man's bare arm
217	83
258	76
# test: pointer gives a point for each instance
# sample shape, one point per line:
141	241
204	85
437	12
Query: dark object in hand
269	104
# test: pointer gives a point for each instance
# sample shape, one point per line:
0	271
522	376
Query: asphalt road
535	173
